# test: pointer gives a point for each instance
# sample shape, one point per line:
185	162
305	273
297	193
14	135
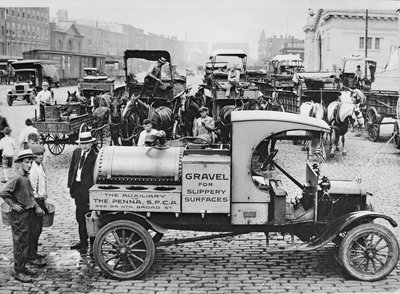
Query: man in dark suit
80	180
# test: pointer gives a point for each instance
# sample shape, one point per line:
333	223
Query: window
2	30
369	43
377	43
361	43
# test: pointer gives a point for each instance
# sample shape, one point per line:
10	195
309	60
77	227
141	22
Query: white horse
311	109
338	118
355	96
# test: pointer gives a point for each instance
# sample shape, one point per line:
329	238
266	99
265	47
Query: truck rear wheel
124	250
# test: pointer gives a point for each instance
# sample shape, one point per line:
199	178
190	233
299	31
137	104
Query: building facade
65	36
293	46
331	35
23	29
268	48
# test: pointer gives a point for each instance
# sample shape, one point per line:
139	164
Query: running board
195	239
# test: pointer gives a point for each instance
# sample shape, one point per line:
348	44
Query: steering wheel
269	159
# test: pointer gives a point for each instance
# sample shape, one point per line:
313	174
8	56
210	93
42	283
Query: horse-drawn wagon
62	126
380	104
216	77
141	192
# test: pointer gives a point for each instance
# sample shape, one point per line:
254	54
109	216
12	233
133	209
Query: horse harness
336	123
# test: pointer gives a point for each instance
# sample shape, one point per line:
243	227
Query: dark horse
225	117
127	129
72	97
186	109
162	117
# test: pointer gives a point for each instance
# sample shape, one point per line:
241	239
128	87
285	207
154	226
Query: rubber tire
347	243
396	133
10	100
138	230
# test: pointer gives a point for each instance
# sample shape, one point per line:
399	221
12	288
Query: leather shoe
29	272
40	256
19	276
79	245
37	262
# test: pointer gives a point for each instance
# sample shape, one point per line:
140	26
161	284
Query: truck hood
347	188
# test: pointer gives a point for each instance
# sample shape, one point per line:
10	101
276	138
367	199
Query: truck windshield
25	77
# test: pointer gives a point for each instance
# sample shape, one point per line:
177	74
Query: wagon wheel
176	130
55	144
369	252
124	250
396	133
373	124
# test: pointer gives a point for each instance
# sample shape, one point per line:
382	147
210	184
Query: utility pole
366	40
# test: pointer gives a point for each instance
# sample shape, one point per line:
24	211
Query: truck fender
142	220
333	228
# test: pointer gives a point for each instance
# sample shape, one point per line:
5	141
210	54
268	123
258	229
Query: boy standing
8	146
18	194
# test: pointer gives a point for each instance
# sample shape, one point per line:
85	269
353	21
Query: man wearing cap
45	97
153	77
204	125
80	180
148	130
18	194
38	181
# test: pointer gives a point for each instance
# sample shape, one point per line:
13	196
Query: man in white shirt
25	132
38	180
8	147
233	81
45	97
148	130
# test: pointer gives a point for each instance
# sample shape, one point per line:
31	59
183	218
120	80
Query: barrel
5	214
119	162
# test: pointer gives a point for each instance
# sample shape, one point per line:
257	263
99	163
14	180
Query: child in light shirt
7	144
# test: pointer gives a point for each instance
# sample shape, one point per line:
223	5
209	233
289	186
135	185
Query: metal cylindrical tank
119	163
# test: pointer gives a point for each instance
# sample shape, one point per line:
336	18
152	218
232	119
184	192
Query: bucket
92	223
48	218
5	214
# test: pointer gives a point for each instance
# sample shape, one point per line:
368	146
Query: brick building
23	29
65	36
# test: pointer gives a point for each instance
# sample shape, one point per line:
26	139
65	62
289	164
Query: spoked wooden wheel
373	124
396	133
369	252
55	144
124	250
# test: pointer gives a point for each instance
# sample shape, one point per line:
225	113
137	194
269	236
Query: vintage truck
143	191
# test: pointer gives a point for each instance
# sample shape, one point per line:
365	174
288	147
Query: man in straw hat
153	77
18	194
80	180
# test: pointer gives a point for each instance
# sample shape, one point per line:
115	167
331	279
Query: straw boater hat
162	60
26	153
85	137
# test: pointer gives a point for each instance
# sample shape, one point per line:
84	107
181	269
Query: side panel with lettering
125	200
206	187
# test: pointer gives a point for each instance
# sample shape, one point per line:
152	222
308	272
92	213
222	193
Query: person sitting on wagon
233	81
153	77
148	130
204	126
45	97
359	75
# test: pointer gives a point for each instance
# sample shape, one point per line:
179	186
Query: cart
142	192
379	105
57	130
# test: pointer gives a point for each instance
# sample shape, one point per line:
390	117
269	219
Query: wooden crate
52	113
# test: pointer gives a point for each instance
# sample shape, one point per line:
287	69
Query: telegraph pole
366	40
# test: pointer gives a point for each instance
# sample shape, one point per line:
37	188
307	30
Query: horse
225	122
162	117
72	97
338	118
186	107
353	97
312	109
126	129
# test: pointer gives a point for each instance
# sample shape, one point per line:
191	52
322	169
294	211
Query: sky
208	21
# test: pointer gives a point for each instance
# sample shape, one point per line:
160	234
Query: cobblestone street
240	264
